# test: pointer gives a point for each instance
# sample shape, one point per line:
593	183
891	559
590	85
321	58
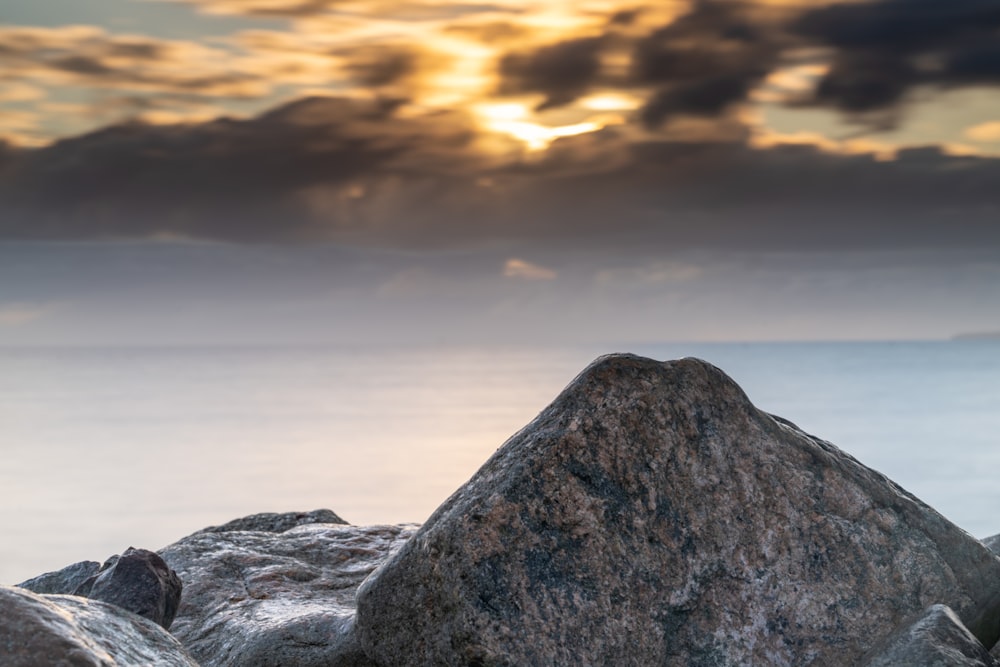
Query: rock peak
652	515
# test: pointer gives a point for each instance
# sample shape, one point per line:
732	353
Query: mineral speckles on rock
652	515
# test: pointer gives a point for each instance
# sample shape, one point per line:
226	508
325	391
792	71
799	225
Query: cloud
385	174
562	72
518	268
985	132
885	48
18	314
88	56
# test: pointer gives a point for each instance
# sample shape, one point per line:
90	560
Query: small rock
260	597
270	522
139	581
651	515
64	581
69	631
936	639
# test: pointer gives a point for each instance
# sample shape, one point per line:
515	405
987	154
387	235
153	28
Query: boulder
271	522
64	581
138	580
651	515
70	631
258	597
936	638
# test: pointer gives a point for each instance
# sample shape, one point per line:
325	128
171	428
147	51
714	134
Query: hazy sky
513	170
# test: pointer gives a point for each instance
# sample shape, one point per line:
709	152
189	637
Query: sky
354	171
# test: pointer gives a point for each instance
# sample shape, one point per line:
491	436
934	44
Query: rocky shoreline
651	515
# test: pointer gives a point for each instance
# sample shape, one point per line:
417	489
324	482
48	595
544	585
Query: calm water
106	448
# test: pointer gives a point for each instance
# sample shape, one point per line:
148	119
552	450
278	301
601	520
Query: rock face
138	580
64	581
270	522
261	598
69	631
936	639
652	516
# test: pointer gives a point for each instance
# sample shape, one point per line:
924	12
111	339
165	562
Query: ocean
108	448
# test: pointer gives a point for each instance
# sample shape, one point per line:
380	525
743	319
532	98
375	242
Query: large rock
264	598
70	631
271	522
936	638
652	516
138	580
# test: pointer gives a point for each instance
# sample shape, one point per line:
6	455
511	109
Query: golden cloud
988	132
519	268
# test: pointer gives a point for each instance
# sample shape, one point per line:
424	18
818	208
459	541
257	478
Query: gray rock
653	516
270	522
140	581
64	581
254	598
993	543
936	638
69	631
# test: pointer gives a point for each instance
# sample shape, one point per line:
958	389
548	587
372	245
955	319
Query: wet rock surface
258	597
70	631
652	516
936	638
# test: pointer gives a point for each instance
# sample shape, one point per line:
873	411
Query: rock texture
138	580
264	598
936	639
652	516
69	631
993	543
64	581
270	522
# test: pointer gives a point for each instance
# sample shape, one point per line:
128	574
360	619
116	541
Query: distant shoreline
981	335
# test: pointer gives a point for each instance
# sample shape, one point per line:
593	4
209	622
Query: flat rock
258	598
64	581
651	515
936	638
70	631
138	580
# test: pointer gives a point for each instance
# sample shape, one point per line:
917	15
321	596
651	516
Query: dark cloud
359	172
81	65
562	72
226	179
885	48
382	66
866	81
702	62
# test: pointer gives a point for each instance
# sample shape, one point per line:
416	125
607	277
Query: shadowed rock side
652	515
137	580
70	631
936	639
256	598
